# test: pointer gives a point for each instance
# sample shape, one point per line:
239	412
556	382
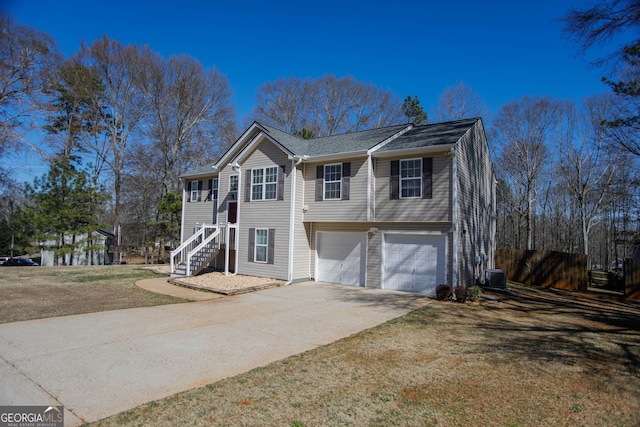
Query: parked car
3	259
20	262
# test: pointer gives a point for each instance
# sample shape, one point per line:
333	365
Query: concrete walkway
160	285
99	364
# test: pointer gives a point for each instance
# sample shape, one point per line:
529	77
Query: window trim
265	245
215	186
195	192
230	178
264	183
324	181
419	178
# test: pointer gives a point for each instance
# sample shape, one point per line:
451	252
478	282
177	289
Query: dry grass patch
538	357
41	292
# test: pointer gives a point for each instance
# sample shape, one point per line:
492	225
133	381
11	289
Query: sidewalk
160	285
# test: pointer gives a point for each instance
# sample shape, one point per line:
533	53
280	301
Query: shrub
443	292
461	293
474	293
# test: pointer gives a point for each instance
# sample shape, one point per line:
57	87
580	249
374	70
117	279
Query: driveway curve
99	364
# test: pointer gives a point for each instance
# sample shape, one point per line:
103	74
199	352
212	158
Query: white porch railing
180	256
204	257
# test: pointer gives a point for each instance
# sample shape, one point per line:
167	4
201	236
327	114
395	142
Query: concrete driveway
99	364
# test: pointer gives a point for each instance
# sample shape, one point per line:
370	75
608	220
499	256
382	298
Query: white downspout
184	205
237	233
369	170
454	216
292	216
310	251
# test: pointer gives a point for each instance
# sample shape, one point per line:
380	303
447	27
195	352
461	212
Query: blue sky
502	49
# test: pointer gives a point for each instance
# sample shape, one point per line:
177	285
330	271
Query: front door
232	212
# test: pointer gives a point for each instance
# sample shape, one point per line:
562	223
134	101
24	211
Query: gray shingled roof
204	170
358	142
431	135
334	144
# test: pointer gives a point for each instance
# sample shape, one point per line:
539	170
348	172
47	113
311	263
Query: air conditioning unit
496	279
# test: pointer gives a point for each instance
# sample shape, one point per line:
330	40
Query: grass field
39	292
537	358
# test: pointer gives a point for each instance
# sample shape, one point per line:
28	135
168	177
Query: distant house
101	241
402	207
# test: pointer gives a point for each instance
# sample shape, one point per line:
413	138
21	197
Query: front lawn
41	292
539	357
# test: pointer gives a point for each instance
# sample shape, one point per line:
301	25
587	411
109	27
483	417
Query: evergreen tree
414	112
304	133
76	106
66	207
167	225
625	127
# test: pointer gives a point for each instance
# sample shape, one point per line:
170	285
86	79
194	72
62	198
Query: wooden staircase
196	253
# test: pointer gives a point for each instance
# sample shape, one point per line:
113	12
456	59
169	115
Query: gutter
433	149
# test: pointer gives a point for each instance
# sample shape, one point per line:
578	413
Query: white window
214	189
262	243
410	178
332	181
195	191
264	183
233	183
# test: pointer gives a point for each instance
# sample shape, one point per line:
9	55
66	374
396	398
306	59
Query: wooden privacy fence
632	279
544	268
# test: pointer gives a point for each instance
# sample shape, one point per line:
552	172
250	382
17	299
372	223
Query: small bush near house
461	293
443	292
474	293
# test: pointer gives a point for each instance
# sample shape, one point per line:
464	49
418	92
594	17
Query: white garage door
414	263
341	258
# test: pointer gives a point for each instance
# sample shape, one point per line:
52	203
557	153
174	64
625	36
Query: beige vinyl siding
265	214
223	193
436	209
374	243
354	209
197	212
476	205
301	246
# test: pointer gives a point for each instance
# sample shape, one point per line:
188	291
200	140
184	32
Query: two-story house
402	207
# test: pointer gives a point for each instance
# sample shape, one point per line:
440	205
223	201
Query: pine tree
414	112
65	207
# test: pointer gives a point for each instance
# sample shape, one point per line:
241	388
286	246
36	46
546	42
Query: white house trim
388	140
454	216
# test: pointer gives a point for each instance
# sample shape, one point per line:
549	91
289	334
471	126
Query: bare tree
283	104
327	105
458	102
119	67
26	58
190	114
523	129
585	166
